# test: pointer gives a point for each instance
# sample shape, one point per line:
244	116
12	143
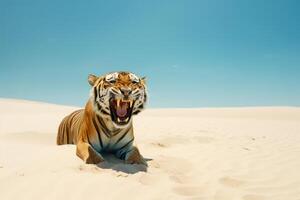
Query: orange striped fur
105	124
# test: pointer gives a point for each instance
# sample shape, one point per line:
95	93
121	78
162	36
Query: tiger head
118	95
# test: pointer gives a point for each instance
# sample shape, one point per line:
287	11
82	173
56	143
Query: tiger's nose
125	91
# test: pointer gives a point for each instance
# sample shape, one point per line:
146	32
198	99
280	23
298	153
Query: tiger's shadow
116	164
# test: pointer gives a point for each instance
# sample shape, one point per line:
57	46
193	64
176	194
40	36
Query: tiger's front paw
94	159
88	154
134	157
141	161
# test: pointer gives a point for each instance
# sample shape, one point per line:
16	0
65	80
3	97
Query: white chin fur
121	126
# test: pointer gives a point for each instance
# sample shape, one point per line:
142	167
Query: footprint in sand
188	190
179	140
159	144
148	179
154	164
231	182
173	164
253	197
120	174
181	178
89	168
203	140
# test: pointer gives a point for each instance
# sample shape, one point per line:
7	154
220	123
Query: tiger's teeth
131	102
126	119
118	102
119	119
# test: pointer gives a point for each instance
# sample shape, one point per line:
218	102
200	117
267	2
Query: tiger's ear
92	79
143	80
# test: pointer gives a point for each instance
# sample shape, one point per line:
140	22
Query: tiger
105	124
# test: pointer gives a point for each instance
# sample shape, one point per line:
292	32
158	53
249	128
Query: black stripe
126	144
122	156
64	131
116	132
115	90
121	138
136	112
71	124
98	132
68	126
78	130
95	94
67	135
103	126
103	111
98	105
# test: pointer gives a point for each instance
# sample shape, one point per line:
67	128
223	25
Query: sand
216	153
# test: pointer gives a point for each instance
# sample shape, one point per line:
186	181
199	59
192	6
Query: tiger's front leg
133	156
87	153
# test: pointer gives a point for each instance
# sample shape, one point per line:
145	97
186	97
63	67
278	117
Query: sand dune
222	153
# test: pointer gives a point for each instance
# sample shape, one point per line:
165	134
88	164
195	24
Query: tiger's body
105	124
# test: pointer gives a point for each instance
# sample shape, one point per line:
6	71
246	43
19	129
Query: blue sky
194	53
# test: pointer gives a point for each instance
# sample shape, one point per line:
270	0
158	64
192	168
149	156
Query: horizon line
204	107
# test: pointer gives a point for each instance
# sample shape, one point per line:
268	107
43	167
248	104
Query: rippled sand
223	153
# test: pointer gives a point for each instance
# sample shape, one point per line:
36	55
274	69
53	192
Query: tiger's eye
135	81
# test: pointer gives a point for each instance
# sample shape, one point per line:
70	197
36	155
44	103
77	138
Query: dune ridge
211	153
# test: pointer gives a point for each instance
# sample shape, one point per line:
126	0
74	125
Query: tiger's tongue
122	110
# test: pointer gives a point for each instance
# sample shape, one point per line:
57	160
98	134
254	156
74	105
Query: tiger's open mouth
121	110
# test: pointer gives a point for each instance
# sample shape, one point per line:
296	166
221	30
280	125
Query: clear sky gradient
194	53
